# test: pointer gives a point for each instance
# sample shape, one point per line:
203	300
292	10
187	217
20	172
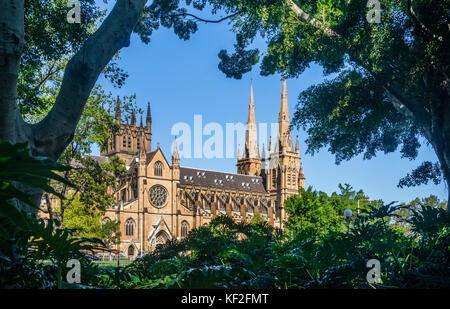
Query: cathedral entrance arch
131	251
161	238
160	234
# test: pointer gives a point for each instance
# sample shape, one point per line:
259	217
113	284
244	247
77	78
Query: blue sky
181	79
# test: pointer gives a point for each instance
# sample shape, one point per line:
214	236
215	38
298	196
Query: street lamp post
348	215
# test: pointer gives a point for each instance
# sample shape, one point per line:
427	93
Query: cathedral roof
150	156
99	159
226	181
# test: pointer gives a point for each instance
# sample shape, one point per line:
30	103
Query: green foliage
421	175
50	41
92	179
24	239
313	253
312	213
388	83
86	222
231	255
258	218
428	205
17	166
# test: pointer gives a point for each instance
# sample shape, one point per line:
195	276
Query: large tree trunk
441	131
50	137
441	146
11	44
433	118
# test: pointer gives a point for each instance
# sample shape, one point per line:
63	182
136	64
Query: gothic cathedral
158	200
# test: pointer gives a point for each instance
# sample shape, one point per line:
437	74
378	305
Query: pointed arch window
124	143
129	227
184	228
157	169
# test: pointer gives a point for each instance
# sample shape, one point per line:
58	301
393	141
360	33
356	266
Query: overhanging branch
416	20
54	133
208	20
311	20
410	108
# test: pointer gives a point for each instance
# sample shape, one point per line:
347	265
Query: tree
94	181
315	213
310	214
391	85
88	222
348	198
90	48
410	209
258	218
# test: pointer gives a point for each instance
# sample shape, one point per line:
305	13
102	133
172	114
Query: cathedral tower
129	139
250	162
284	175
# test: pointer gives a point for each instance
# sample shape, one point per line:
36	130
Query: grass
113	263
123	262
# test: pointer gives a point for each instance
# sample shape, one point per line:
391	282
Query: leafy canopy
388	82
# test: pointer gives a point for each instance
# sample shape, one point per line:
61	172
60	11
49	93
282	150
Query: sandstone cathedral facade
158	200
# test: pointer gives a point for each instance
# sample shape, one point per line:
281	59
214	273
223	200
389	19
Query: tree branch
311	20
56	130
207	20
49	73
409	108
416	19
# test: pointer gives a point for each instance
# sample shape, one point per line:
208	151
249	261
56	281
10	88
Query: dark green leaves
350	115
421	175
240	62
17	166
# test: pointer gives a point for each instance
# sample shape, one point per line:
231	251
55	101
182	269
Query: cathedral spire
251	144
142	123
118	110
284	130
149	116
297	147
284	100
251	107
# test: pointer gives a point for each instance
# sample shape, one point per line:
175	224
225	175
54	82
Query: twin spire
284	139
